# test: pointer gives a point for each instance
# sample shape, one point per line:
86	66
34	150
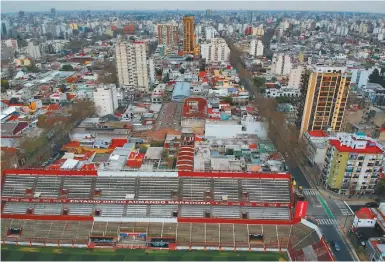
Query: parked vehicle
336	245
372	204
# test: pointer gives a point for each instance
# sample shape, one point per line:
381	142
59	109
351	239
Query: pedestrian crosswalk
344	209
327	221
308	192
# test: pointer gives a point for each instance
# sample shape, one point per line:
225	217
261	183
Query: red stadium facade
243	211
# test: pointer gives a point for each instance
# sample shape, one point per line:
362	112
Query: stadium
158	210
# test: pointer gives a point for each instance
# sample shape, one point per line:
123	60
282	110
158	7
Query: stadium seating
17	208
226	212
194	210
110	210
47	209
226	187
267	213
78	187
136	211
79	209
154	188
194	188
115	187
48	186
162	210
267	190
16	185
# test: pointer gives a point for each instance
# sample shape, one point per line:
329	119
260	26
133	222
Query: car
44	164
336	245
372	204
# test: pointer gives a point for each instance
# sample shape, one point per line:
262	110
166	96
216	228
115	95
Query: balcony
349	169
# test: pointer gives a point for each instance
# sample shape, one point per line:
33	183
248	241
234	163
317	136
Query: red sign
143	202
301	209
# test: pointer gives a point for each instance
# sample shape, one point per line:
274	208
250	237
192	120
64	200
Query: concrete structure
353	163
361	76
33	50
364	217
216	51
131	64
256	48
210	32
376	249
168	35
316	143
282	92
106	99
326	98
295	77
281	64
189	42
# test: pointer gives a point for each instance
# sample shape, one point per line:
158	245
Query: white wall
295	77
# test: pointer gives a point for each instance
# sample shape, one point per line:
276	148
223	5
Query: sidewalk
356	199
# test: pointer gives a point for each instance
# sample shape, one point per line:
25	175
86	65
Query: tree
109	75
228	99
375	77
4	85
67	68
32	68
181	70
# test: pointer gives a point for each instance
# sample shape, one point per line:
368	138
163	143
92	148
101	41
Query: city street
326	213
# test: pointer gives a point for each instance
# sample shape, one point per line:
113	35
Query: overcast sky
349	6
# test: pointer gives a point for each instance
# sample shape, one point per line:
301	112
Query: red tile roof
90	167
135	160
318	133
370	149
53	107
118	142
365	213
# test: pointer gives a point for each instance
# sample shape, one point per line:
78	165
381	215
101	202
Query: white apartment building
295	77
281	64
105	99
131	64
256	48
216	51
342	30
151	68
210	32
33	50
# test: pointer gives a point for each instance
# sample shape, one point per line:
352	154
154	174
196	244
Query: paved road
318	207
325	211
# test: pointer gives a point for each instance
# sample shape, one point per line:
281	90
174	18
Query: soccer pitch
22	253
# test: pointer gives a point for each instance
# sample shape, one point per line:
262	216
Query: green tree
375	77
67	68
228	99
4	85
32	68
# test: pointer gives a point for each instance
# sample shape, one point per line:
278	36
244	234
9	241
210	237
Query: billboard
301	209
159	242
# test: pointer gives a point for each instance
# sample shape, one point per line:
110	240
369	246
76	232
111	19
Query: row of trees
284	136
55	131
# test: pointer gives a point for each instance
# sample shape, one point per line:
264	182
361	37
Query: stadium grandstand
173	210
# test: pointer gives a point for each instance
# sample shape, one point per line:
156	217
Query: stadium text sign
144	202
